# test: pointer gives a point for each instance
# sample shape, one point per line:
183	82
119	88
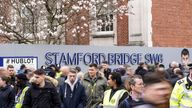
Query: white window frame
143	36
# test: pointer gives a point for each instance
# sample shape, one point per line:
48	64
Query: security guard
21	98
114	96
22	87
181	96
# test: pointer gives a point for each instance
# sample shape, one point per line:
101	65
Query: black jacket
107	73
141	72
7	97
46	97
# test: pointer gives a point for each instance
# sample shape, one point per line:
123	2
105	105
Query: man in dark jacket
106	69
41	94
142	69
11	74
21	88
72	93
7	93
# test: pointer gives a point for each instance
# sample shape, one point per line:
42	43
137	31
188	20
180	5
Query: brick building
157	23
172	23
154	23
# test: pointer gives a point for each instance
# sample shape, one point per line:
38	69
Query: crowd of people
149	86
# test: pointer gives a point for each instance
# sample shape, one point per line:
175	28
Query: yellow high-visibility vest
21	98
114	101
181	97
58	75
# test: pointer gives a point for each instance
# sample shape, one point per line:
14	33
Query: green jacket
94	89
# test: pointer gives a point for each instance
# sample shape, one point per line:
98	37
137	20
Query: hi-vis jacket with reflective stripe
114	101
181	97
21	98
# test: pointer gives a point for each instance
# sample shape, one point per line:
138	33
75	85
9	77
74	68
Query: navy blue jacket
73	99
7	97
130	103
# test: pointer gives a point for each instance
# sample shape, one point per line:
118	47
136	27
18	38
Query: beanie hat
21	76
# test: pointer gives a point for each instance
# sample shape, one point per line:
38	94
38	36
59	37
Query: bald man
64	72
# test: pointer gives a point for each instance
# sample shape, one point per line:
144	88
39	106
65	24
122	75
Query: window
103	25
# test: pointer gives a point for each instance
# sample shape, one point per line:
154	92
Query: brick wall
82	37
122	28
172	23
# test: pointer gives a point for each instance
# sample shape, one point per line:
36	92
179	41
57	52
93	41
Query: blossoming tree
48	21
